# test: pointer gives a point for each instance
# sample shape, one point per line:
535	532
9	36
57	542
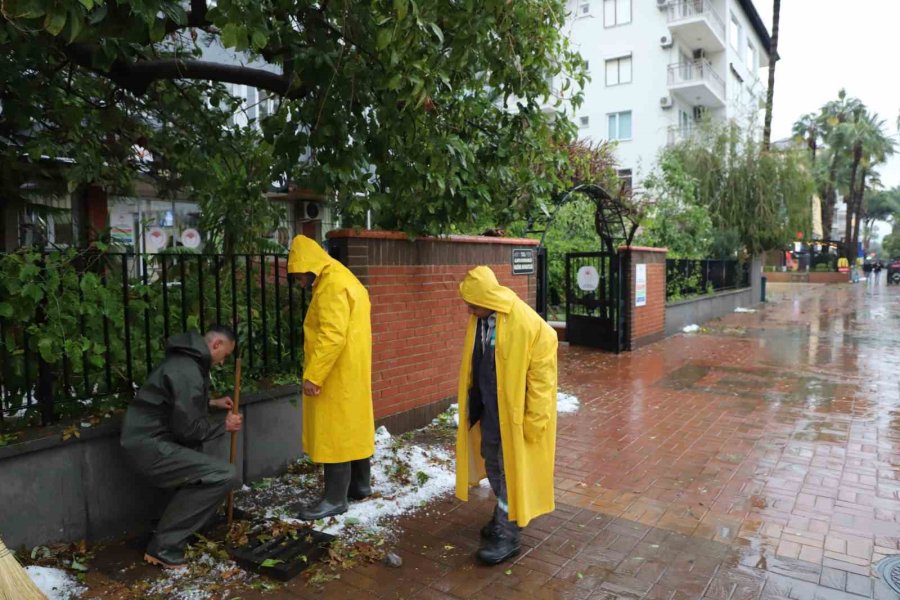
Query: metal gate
594	315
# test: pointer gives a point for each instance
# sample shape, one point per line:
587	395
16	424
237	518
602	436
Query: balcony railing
679	10
696	71
679	133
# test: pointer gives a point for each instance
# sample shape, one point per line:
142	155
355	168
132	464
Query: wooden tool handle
235	409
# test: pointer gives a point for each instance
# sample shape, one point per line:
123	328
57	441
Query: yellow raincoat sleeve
540	386
334	319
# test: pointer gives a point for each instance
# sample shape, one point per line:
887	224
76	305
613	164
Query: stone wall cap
643	249
372	234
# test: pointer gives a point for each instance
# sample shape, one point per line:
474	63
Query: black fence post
44	391
127	322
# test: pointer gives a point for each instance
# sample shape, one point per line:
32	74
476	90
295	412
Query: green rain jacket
172	406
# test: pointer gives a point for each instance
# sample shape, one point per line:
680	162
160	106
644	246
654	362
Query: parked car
893	271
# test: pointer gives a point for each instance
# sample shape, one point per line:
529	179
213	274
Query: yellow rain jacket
525	355
338	424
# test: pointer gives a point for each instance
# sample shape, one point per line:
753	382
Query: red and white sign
155	239
190	238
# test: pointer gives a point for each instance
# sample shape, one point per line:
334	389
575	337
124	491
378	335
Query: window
750	59
625	178
584	8
734	33
620	125
616	12
618	70
584	122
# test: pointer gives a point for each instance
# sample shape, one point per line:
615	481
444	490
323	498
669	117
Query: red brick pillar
645	284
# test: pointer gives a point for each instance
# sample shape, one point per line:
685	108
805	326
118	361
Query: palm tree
806	129
831	116
869	146
773	58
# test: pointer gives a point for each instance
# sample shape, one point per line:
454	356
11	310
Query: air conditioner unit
311	211
666	41
666	102
699	54
662	4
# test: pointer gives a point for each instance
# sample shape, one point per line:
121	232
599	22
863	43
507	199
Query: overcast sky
826	45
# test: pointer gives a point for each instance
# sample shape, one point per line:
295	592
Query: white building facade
659	66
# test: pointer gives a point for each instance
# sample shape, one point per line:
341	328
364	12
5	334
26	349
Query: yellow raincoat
525	355
338	424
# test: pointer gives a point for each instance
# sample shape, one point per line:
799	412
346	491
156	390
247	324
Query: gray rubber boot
334	501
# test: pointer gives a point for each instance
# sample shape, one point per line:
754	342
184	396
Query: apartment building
659	66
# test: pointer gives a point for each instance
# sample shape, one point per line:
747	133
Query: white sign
155	239
588	278
190	238
121	225
640	285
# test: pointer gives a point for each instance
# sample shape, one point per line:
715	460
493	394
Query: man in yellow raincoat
338	423
507	410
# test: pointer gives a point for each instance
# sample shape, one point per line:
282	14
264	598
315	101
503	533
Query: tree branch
137	77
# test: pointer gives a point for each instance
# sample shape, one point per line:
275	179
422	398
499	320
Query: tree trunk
860	196
773	58
829	199
849	249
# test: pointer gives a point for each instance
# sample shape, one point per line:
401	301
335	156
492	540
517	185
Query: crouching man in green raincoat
507	410
338	422
163	432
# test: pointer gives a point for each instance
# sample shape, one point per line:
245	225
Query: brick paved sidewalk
757	459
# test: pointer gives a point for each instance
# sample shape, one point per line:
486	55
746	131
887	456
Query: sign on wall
121	226
522	261
640	285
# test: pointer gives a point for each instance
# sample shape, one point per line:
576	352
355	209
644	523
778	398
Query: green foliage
673	219
68	308
682	284
890	245
428	113
760	199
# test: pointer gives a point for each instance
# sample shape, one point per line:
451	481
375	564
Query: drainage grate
889	570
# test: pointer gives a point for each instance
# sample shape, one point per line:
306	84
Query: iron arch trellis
616	219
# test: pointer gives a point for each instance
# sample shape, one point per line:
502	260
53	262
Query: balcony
697	23
679	133
697	83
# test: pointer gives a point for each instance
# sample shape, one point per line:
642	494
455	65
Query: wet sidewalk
755	459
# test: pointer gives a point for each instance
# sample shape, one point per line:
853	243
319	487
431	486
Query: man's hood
481	288
190	344
307	256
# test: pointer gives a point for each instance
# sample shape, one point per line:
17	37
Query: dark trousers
201	482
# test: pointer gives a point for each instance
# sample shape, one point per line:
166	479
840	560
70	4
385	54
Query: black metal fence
686	278
80	328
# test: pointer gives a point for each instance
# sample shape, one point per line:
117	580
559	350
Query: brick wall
418	318
644	324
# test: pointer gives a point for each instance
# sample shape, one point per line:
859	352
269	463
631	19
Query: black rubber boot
360	479
502	546
334	501
491	528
